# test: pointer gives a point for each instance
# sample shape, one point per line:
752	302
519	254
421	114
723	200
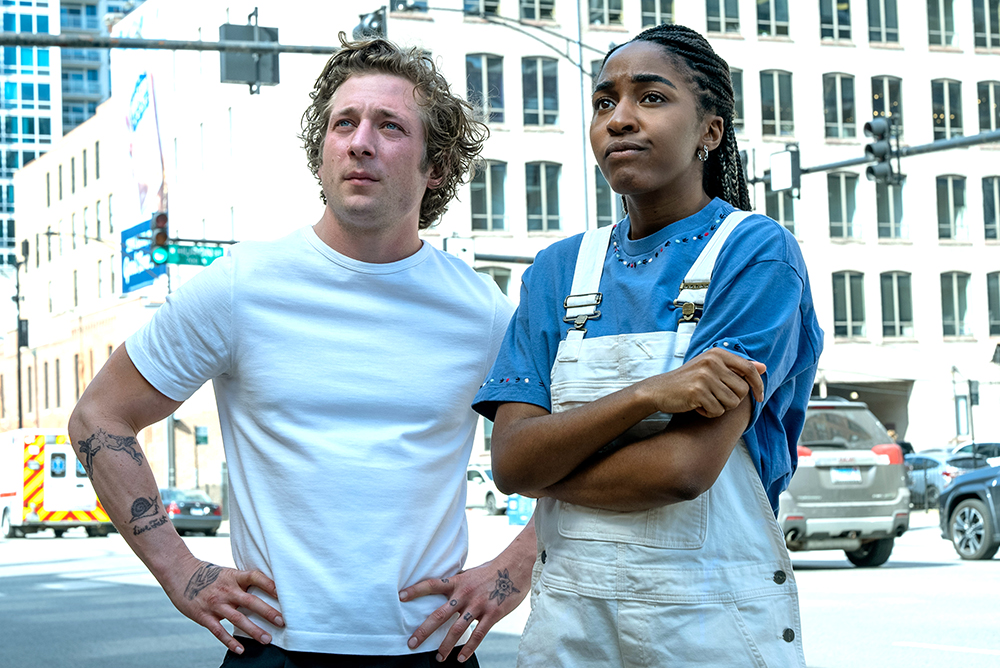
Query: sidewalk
924	519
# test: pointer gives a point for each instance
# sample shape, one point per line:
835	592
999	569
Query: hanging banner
138	269
144	147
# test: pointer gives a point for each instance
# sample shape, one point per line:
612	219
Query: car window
169	495
841	429
196	495
966	450
474	476
489	473
920	463
988	449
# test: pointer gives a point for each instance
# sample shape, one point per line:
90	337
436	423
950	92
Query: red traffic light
159	231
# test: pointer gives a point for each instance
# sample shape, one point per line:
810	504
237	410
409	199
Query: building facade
905	275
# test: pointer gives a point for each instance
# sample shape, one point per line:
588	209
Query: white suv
482	491
850	491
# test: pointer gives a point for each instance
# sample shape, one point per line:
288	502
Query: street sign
197	255
138	270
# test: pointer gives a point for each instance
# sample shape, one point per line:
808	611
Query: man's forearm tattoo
143	508
504	587
202	577
103	439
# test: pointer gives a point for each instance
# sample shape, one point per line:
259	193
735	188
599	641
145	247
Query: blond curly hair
454	137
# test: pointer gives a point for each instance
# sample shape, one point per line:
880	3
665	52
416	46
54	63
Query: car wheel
871	554
211	532
491	504
971	533
96	532
59	532
933	494
6	527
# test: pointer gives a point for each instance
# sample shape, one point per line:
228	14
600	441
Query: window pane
498	176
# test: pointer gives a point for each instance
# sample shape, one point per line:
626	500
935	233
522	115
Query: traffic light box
880	130
371	26
159	237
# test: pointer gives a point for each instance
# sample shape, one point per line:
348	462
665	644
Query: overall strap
691	299
581	304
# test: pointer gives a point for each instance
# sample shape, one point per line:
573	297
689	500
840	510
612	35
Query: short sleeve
518	375
187	341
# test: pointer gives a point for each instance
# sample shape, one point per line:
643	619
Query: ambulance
44	486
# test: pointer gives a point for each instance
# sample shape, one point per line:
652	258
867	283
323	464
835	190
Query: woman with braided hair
652	386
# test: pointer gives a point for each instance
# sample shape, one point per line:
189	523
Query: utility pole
22	328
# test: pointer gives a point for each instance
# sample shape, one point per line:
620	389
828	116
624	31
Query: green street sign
197	255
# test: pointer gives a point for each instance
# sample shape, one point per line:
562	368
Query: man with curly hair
345	358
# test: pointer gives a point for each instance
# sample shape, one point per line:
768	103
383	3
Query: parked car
191	510
989	450
930	472
850	491
482	491
970	513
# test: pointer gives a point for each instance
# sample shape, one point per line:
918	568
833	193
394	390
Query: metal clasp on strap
587	299
576	303
688	310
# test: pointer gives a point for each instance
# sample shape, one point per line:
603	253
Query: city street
88	602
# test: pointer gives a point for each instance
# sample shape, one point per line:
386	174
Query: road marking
75	585
948	648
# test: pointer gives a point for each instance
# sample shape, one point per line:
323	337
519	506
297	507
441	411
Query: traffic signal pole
904	151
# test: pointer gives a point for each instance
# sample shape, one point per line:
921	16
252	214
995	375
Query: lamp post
22	327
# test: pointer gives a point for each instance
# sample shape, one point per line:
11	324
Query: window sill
850	339
598	27
726	35
846	241
774	38
899	339
943	49
892	46
895	241
541	23
954	242
411	16
783	139
829	41
959	339
843	141
555	129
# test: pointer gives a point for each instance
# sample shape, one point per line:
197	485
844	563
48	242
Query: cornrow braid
723	174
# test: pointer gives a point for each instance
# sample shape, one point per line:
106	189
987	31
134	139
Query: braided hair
723	174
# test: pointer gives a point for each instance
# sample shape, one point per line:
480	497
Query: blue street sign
138	269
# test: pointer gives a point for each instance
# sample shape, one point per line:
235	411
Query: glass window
540	82
9	90
897	305
605	12
43	24
487	197
989	105
723	15
9	23
993	301
955	303
532	10
887	101
44	128
43	57
44	92
609	204
738	118
883	22
838	106
987	23
57	464
940	22
991	206
780	206
946	103
27	91
834	19
951	207
656	12
848	304
484	85
889	205
542	191
841	198
500	276
489	7
776	103
772	17
27	23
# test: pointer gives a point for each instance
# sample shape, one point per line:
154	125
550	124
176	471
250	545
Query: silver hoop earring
702	153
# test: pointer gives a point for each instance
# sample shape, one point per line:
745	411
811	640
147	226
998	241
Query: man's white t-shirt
344	391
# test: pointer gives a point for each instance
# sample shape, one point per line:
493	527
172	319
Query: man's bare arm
116	405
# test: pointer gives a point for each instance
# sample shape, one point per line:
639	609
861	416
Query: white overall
706	582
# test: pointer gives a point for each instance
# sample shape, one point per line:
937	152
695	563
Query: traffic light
880	129
159	237
372	26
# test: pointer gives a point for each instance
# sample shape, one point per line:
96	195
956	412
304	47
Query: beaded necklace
632	264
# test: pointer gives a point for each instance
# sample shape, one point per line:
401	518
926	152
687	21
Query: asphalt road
88	602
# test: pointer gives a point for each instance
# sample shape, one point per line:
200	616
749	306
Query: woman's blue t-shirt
758	305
